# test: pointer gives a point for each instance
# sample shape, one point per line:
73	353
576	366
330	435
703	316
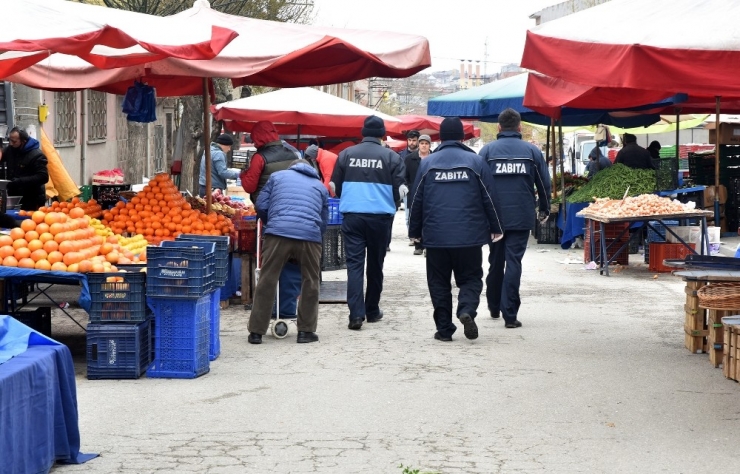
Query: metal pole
678	139
551	140
716	163
206	142
562	166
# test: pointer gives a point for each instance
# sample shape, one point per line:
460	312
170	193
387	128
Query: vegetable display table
601	220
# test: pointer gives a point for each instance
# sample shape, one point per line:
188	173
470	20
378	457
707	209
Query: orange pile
61	241
159	212
91	207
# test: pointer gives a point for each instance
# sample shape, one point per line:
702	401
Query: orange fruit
34	245
10	261
18	243
6	240
58	267
76	212
31	235
73	268
38	217
72	257
66	246
112	257
42	264
39	254
17	233
28	224
50	246
22	252
85	266
7	251
46	237
55	256
98	268
26	263
41	228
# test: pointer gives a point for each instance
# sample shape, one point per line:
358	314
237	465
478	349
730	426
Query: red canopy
636	44
104	37
426	125
265	53
299	111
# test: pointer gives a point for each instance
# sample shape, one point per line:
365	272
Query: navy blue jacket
294	204
451	199
367	177
518	168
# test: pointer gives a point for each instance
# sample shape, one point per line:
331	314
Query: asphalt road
597	380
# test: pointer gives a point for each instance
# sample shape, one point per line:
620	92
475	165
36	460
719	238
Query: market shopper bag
61	183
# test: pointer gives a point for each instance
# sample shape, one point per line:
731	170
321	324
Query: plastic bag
140	103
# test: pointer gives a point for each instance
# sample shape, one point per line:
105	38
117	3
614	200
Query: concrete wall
692	135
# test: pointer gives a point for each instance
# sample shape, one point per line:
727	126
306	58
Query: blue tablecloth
38	402
573	225
16	275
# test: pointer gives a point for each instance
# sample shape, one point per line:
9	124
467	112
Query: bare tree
189	129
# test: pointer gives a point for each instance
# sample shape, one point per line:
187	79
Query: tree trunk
189	136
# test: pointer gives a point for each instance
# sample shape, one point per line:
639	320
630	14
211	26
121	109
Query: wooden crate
730	365
716	335
695	321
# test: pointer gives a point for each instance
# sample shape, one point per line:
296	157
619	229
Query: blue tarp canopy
486	102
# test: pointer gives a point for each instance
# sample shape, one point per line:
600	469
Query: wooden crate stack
695	322
730	365
716	335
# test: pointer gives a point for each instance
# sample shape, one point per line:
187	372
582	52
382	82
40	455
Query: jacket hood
305	168
31	144
264	132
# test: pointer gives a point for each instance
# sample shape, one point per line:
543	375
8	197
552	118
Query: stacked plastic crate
221	276
180	280
119	336
656	236
333	256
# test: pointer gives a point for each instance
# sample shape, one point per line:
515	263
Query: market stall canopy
265	53
104	37
664	45
426	125
486	102
299	111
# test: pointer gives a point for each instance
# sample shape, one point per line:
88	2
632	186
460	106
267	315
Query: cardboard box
709	195
729	133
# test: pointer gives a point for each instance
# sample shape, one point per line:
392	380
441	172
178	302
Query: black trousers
466	264
505	273
365	233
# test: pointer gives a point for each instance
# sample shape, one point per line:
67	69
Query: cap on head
451	129
225	139
425	138
412	134
374	127
312	151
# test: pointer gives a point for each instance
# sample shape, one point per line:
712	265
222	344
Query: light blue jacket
219	171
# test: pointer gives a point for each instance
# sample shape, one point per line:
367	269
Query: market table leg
247	278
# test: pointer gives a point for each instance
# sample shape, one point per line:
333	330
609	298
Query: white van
583	153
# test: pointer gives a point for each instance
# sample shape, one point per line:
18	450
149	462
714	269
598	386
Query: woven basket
719	296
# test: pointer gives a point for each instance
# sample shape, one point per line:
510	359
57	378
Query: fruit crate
180	269
118	351
246	229
181	337
660	251
335	217
107	195
222	253
333	256
666	174
731	353
117	297
214	347
38	319
549	232
615	253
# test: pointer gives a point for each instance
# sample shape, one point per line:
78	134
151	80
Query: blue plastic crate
335	217
180	269
214	348
222	253
118	351
653	236
181	337
117	301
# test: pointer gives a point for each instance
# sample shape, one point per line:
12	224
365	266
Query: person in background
293	204
412	162
412	143
326	161
219	171
369	180
518	169
633	155
654	150
26	168
272	156
452	210
597	162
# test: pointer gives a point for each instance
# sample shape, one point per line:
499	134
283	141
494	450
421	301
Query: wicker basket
720	296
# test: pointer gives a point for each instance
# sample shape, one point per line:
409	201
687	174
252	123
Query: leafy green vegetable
612	183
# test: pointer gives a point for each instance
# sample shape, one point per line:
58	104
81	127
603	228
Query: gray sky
456	29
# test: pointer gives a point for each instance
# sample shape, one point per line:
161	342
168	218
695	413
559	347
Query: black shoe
514	324
304	337
439	337
254	338
419	252
496	315
375	319
355	324
469	326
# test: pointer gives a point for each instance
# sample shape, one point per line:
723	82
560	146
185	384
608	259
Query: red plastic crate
623	258
660	251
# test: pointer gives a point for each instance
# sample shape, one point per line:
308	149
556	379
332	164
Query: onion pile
642	205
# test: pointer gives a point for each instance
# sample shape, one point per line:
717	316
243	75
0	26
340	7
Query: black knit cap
451	129
225	139
374	127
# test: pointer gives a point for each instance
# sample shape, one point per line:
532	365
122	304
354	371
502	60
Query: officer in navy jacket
453	212
518	168
293	204
369	180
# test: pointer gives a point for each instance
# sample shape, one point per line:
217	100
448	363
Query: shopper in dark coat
412	163
453	212
27	169
633	155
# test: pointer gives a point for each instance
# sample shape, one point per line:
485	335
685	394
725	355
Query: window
65	111
98	116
